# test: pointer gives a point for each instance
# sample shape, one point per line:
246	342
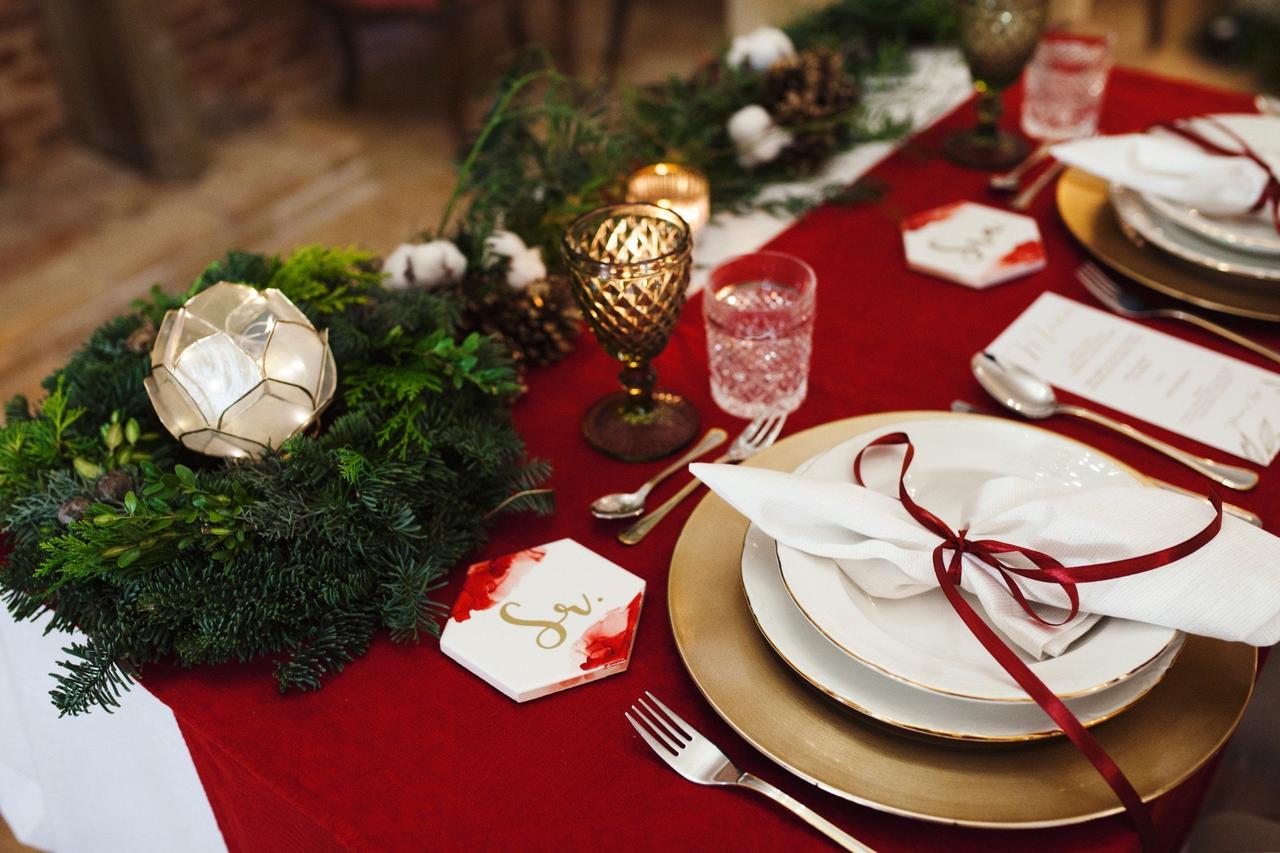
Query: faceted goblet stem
638	378
990	107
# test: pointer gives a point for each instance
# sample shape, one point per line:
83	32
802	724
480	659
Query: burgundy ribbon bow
1046	570
1270	194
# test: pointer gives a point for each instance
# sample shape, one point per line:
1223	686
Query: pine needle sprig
324	280
92	678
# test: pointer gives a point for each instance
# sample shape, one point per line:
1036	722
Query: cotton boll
524	265
525	269
757	137
438	262
505	243
396	269
748	124
760	49
424	265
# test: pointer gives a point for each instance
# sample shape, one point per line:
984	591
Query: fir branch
92	678
497	114
240	267
422	368
323	280
531	497
333	644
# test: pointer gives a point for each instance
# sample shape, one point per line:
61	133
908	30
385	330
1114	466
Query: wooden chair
451	16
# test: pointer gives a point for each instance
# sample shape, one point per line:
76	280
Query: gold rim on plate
888	673
1086	210
942	733
1159	742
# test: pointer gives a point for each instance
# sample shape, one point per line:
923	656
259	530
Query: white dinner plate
1253	232
869	692
1143	223
919	640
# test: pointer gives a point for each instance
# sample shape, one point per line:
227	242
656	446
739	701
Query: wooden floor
375	176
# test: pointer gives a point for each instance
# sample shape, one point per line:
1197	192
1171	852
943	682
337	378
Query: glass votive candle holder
759	311
1064	85
680	189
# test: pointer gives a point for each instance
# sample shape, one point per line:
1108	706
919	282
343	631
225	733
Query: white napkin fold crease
1171	167
1229	588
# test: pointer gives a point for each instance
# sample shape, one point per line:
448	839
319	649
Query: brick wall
248	52
31	117
238	56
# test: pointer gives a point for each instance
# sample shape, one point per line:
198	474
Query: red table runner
407	751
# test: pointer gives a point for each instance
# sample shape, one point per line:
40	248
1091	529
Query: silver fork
1129	304
1028	194
699	760
759	434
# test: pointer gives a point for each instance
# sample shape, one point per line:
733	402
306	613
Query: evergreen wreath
157	553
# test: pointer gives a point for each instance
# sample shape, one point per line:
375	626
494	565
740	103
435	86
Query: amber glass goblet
629	268
997	37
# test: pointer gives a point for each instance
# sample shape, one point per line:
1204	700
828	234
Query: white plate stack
1245	245
911	662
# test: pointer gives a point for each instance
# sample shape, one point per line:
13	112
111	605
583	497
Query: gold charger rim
1083	205
936	761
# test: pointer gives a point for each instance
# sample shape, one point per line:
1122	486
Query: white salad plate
919	640
1142	223
1253	232
871	693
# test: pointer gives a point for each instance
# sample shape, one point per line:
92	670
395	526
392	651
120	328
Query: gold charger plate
1085	208
1159	742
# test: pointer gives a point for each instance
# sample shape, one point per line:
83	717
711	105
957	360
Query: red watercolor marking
1029	252
916	221
609	640
489	582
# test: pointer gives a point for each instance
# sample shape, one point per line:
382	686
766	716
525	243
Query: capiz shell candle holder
237	371
629	268
679	188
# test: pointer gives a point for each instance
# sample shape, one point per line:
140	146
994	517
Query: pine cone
539	323
806	94
141	339
113	486
73	510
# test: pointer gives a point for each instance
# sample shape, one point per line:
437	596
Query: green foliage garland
553	147
157	553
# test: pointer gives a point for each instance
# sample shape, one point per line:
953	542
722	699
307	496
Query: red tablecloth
407	751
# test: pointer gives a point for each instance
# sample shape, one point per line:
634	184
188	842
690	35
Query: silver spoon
631	504
1010	181
1032	397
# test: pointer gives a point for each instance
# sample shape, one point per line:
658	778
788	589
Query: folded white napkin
1230	588
1170	167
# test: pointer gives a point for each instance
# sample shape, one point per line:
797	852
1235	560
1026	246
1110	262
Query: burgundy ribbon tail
1270	194
1045	569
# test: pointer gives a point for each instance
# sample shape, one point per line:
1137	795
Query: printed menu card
1188	389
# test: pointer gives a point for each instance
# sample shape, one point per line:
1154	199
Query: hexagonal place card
544	619
972	244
